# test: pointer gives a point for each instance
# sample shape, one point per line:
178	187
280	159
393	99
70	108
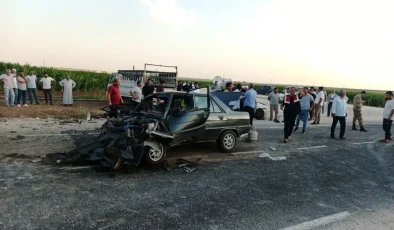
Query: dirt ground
80	110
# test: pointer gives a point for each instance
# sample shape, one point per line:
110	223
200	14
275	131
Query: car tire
227	141
259	115
152	158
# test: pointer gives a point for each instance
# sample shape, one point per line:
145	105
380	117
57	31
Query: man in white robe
68	86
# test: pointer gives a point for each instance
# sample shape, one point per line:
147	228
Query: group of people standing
16	85
298	103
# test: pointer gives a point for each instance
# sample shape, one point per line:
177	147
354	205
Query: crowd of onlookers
16	86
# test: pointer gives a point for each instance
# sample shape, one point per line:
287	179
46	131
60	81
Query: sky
333	43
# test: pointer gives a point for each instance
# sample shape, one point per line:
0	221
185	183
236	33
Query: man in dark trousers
114	98
292	107
147	90
339	113
250	102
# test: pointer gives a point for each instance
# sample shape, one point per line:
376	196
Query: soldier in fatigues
357	105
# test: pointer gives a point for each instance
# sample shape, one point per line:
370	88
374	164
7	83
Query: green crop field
85	80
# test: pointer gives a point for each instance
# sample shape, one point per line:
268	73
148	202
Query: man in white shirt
388	114
32	87
339	113
8	88
46	85
331	97
14	76
136	94
318	104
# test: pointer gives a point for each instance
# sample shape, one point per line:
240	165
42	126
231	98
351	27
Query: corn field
85	80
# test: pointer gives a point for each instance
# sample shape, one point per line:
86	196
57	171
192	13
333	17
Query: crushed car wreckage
163	120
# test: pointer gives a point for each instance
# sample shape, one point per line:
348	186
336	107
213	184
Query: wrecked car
163	120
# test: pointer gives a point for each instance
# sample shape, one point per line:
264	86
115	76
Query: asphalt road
320	179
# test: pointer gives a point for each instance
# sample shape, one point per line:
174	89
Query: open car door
187	116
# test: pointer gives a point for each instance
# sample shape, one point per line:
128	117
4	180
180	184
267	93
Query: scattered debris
36	128
37	118
266	155
183	163
231	154
13	131
88	117
272	148
280	158
19	137
189	170
36	160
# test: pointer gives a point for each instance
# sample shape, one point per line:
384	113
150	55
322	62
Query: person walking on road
68	86
14	78
8	88
114	98
32	87
318	104
291	106
306	102
388	114
250	102
274	98
331	97
46	85
357	116
339	113
21	81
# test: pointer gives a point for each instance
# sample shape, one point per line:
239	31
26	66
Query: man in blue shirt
250	102
306	102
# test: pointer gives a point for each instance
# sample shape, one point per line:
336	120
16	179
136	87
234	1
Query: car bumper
243	129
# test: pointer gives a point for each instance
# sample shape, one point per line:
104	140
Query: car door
190	121
216	122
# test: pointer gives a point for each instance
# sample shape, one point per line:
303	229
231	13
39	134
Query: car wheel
155	156
227	141
259	115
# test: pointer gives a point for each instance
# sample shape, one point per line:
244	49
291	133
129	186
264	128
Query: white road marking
360	143
243	153
313	147
319	222
76	168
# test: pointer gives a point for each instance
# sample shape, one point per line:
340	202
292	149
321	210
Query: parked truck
129	78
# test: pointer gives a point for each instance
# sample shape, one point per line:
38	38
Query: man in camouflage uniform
357	105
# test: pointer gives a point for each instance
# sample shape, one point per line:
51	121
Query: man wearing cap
339	113
357	105
14	76
274	98
292	108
